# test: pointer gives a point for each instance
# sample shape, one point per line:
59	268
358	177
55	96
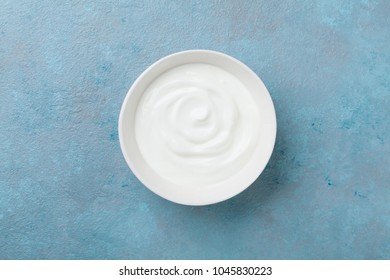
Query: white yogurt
196	125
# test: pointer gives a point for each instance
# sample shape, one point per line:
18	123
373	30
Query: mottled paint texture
67	193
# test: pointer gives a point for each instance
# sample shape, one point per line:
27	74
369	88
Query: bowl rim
148	71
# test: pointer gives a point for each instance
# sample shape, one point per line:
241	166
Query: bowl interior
201	195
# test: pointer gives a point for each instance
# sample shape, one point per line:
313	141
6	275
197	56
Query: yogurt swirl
197	125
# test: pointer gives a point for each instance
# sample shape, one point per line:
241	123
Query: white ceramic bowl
217	192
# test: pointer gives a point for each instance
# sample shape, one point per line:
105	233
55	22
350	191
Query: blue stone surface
67	193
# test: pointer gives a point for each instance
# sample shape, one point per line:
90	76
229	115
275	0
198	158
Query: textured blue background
66	191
